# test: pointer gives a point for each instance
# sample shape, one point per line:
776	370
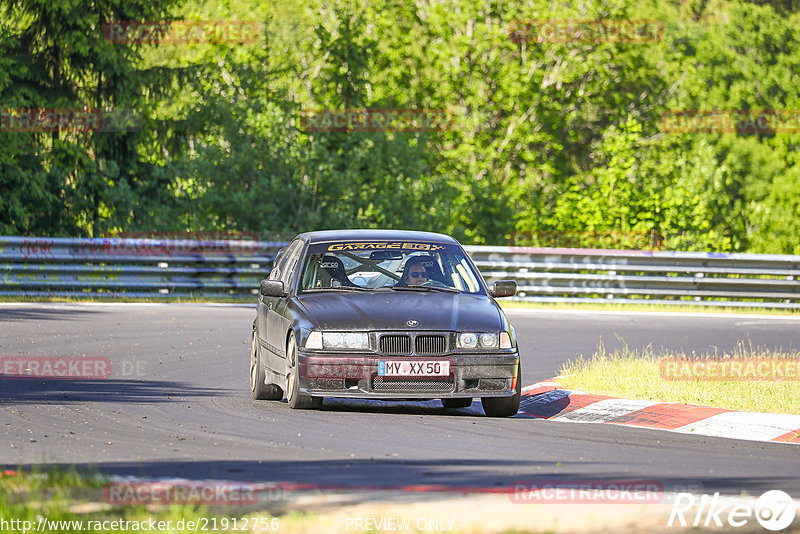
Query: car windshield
398	265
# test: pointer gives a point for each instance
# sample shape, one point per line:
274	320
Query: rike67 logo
774	510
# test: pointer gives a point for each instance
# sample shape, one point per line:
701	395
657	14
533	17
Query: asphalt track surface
178	405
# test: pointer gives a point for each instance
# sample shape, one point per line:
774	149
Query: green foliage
54	57
546	136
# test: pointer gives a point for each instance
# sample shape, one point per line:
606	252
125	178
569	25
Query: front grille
430	344
395	344
394	385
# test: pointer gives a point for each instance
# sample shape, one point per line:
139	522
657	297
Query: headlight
489	340
467	341
345	340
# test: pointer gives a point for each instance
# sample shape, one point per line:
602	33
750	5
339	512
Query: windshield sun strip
424	288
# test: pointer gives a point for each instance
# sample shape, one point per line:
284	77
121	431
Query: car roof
361	235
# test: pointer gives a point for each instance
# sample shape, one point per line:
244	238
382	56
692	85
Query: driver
414	273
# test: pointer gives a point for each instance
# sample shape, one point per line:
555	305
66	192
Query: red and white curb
548	400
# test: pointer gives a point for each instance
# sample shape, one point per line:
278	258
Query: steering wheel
432	283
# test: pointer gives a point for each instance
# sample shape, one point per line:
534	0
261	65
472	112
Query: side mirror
504	288
272	288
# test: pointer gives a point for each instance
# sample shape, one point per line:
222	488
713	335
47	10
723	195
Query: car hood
390	310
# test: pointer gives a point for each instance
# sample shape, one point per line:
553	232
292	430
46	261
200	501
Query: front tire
261	390
297	400
504	406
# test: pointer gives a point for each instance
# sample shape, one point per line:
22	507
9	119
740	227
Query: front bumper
356	376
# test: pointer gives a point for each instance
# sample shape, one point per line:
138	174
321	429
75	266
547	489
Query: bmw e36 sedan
383	314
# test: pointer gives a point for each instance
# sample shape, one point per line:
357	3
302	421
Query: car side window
283	259
287	269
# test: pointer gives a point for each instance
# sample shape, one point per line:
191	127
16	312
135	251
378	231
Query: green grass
633	374
68	496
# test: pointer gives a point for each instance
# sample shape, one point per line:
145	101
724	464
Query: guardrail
658	277
152	268
123	267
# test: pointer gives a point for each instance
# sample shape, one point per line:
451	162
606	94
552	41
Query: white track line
744	425
604	410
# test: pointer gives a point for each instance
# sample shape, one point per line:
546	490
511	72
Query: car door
265	305
276	309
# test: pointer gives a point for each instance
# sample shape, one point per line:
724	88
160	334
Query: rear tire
504	406
297	400
457	403
261	390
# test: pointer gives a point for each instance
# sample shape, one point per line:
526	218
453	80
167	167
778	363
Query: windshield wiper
335	288
424	288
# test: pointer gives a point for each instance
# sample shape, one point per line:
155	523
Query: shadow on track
34	391
410	407
44	314
414	477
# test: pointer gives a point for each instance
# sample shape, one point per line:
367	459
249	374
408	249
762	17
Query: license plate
413	368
